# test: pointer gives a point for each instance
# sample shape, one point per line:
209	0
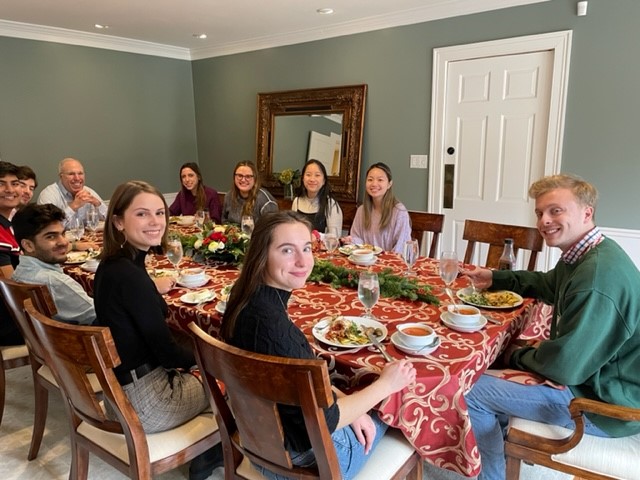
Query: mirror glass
322	123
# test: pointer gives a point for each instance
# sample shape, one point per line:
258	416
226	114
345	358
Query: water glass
247	225
201	218
174	250
75	228
410	253
92	219
368	291
331	241
448	267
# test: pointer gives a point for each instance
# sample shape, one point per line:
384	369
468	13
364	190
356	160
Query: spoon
435	343
453	300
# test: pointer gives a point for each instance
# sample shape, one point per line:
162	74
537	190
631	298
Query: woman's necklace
284	307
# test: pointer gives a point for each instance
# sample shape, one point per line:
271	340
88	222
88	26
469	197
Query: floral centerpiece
224	243
290	179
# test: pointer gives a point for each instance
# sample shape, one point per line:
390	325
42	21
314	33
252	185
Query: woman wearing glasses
246	197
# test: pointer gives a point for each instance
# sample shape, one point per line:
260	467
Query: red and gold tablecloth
432	413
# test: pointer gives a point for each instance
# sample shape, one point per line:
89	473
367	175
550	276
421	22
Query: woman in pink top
381	220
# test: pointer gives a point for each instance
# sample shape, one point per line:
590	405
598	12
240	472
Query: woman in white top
315	201
381	220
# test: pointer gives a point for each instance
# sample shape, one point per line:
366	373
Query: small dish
348	249
186	220
221	307
362	264
444	316
201	296
90	266
426	350
197	284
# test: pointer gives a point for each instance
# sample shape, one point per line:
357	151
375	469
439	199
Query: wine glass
201	217
91	220
75	228
247	225
448	268
174	251
368	291
331	241
410	253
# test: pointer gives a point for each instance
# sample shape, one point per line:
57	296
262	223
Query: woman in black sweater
154	369
279	260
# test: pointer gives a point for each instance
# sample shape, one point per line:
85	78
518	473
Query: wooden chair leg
2	392
79	462
513	468
41	395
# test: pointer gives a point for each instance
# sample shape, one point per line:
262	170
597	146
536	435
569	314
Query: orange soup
466	311
416	332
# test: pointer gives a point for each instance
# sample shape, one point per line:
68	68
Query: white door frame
559	43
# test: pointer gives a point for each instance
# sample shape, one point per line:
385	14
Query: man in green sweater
595	329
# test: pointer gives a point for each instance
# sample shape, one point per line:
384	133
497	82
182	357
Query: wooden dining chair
422	222
255	384
14	294
493	234
11	356
572	451
70	351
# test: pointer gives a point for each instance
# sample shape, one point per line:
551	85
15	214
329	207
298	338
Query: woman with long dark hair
195	195
315	201
279	260
246	197
381	220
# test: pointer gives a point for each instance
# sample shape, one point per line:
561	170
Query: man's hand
82	198
365	431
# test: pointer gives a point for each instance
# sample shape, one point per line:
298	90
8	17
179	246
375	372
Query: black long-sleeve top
127	301
264	327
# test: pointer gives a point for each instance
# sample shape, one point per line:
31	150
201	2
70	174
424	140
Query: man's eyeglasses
239	176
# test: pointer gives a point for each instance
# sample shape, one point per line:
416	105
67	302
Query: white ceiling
166	27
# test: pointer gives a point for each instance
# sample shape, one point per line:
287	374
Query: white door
496	122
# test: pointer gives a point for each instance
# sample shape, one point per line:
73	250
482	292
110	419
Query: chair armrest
577	408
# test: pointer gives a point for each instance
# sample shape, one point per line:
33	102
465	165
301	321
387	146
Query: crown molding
437	11
87	39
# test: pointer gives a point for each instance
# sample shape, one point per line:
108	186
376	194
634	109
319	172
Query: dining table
432	412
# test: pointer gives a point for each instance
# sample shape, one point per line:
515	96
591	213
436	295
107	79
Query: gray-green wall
127	115
601	135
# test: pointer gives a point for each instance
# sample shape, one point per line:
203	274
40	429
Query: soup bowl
192	276
416	335
464	315
362	255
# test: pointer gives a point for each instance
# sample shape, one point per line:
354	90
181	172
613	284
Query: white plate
366	263
395	339
195	285
162	272
221	307
444	316
198	297
463	293
320	328
348	249
89	268
78	257
185	220
223	294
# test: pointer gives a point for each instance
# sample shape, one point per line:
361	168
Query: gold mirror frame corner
350	101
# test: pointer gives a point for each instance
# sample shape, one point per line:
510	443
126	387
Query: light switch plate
419	161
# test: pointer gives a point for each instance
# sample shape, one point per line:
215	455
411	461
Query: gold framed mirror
323	123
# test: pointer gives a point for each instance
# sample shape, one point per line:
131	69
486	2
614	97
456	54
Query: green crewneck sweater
594	346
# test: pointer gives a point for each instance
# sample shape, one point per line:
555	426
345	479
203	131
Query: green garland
391	286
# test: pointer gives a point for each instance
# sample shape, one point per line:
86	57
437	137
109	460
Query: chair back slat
255	385
422	222
70	351
493	234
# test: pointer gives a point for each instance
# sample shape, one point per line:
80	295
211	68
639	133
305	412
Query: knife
379	346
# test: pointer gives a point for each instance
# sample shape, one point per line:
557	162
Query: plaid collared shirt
590	240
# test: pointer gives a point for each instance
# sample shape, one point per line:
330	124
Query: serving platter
466	295
321	328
